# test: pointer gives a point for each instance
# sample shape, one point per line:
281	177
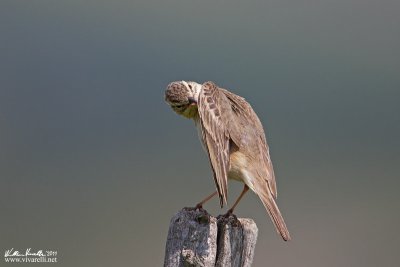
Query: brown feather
211	107
275	214
246	117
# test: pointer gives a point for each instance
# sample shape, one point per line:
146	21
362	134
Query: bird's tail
276	216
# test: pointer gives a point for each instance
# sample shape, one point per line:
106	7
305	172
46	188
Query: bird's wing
213	106
246	115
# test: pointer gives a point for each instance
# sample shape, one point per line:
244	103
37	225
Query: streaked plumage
234	139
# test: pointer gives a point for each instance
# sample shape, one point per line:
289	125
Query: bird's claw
228	214
197	207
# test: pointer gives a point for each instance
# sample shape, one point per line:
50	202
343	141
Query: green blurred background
94	164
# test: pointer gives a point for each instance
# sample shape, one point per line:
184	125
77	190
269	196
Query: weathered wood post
196	238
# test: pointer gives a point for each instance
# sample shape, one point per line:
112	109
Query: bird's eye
190	86
178	106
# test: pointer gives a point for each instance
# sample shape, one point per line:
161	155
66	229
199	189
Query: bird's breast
190	112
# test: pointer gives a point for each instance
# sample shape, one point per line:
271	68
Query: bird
234	139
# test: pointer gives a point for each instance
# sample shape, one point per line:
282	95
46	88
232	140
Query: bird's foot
228	214
197	207
228	219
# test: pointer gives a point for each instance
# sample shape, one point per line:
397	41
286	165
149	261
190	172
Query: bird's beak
192	101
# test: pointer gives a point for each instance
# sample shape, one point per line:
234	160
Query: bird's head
183	97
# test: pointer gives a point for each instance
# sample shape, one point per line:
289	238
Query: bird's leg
230	211
200	204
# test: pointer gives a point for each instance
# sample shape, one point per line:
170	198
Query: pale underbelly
238	163
238	170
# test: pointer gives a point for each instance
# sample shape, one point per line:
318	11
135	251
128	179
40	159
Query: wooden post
196	238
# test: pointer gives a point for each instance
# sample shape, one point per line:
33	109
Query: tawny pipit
234	139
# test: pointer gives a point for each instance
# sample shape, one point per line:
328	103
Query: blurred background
93	163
